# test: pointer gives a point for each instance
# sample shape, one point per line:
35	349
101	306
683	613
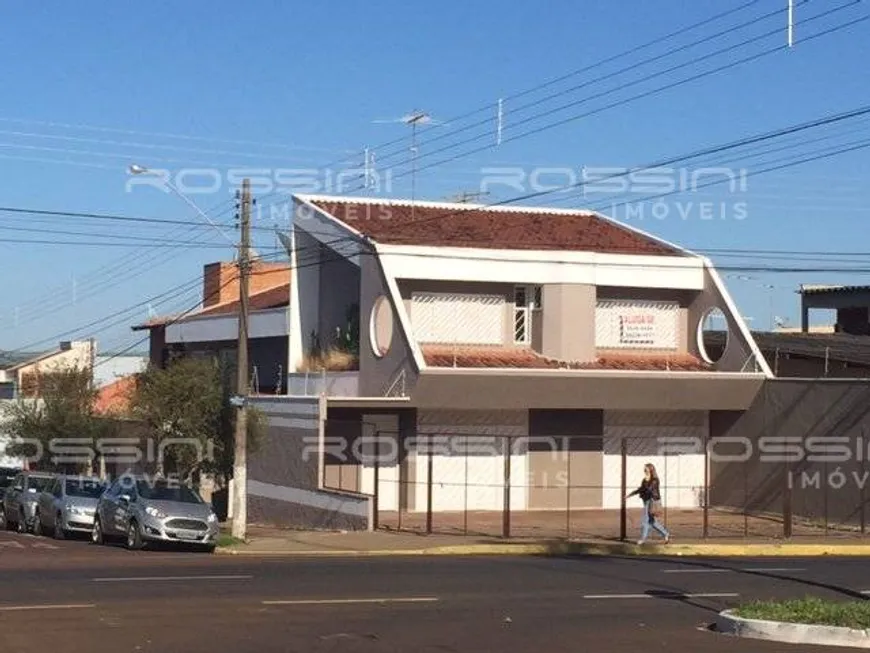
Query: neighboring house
851	303
20	376
212	330
485	321
841	351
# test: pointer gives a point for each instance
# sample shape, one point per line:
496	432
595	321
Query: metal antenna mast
499	122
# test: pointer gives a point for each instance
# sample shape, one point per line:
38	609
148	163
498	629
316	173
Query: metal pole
429	467
377	482
863	447
786	503
623	487
465	513
506	513
240	463
706	532
567	444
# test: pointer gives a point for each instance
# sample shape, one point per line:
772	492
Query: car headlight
154	512
212	518
75	510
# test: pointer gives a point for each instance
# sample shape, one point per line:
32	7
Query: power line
624	101
601	78
576	72
187	137
861	111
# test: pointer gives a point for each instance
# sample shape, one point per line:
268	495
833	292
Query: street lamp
136	169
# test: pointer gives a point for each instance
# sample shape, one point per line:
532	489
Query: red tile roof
394	223
497	357
114	399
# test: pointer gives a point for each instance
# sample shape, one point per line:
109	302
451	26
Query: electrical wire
630	68
618	103
579	71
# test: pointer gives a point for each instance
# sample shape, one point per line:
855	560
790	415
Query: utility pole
240	463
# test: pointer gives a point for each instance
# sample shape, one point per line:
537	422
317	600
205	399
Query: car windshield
38	483
84	488
6	477
163	491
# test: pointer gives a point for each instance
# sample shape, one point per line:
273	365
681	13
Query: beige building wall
76	354
568	322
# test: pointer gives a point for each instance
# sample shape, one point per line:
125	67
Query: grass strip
810	610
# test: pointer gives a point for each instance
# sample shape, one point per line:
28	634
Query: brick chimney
220	281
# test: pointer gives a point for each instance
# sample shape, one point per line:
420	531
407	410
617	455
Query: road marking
661	595
731	571
12	545
134	579
71	606
412	599
43	545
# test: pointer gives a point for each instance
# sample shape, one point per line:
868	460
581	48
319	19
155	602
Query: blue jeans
646	525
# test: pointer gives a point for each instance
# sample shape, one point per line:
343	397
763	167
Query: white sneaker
641	542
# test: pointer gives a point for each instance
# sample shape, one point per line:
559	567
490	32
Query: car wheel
134	537
97	536
37	524
59	533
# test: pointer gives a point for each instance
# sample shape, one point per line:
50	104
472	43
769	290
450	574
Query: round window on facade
381	326
713	335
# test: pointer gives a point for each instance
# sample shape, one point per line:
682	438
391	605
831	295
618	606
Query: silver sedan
67	505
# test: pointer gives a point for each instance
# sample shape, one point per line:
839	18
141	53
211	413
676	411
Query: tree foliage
187	404
64	409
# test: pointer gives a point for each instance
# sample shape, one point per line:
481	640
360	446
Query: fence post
706	507
377	492
429	482
825	487
623	514
786	503
863	485
465	512
506	513
567	453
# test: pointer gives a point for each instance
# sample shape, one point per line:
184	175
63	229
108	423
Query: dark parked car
7	475
19	502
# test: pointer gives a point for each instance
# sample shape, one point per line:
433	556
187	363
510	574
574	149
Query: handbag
655	509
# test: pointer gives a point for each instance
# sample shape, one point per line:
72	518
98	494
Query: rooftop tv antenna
790	23
413	119
466	196
499	122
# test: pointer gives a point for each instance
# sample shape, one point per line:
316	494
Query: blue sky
300	86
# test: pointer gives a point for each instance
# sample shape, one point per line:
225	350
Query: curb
582	548
791	633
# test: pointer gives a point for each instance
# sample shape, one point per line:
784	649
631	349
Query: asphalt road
78	597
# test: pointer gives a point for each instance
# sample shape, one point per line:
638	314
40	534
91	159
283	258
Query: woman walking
652	504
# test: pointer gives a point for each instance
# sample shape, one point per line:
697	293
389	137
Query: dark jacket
648	490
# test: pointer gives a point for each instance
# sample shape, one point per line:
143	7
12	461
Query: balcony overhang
497	389
268	323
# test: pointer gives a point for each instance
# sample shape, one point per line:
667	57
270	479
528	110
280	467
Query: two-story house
212	330
559	326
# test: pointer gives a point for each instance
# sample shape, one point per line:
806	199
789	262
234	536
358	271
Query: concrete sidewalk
265	541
